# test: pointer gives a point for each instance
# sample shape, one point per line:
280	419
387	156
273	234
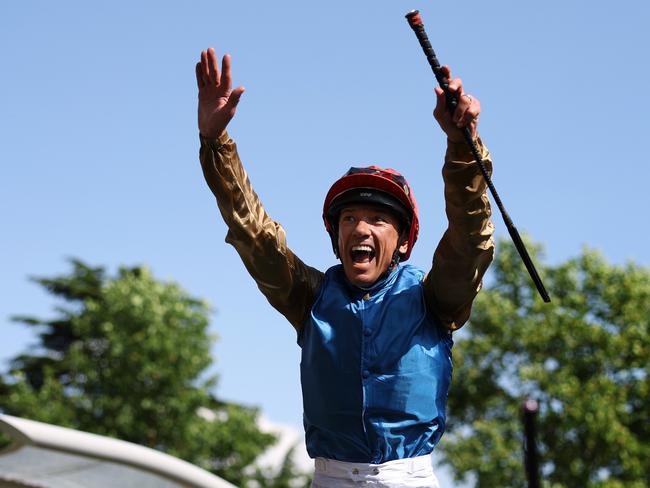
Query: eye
381	218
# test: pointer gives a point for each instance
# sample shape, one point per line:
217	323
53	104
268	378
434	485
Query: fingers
467	109
213	66
199	77
456	86
226	80
205	75
446	72
234	97
207	71
441	103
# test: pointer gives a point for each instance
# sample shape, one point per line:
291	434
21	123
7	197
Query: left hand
217	100
466	113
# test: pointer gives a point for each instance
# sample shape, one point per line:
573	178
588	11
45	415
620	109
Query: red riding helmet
378	186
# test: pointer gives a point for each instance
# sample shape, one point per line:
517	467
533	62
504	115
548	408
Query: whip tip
414	18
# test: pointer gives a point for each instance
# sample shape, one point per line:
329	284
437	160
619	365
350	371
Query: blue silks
375	370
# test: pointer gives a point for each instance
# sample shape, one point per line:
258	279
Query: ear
403	247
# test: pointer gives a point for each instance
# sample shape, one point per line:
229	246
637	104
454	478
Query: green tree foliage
126	357
584	357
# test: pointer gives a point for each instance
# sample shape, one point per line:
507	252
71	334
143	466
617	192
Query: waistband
331	467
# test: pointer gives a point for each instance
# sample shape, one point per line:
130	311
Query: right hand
466	113
217	100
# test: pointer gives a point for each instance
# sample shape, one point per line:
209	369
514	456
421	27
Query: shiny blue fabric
375	370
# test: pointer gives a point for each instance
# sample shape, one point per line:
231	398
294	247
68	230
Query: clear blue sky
98	140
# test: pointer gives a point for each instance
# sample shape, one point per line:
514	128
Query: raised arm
466	248
288	284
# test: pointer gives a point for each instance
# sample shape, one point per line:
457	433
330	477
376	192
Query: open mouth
362	254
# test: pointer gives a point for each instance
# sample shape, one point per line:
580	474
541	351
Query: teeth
362	248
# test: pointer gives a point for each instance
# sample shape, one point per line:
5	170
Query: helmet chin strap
396	254
395	261
335	244
393	264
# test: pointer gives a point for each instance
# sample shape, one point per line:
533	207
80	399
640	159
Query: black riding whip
416	24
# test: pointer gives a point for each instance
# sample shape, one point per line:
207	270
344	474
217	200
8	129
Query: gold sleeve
467	247
287	283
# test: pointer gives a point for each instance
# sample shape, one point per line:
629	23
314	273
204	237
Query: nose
362	228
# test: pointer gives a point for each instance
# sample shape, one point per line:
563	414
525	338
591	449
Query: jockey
375	333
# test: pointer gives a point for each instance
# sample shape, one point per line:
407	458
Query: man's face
368	236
